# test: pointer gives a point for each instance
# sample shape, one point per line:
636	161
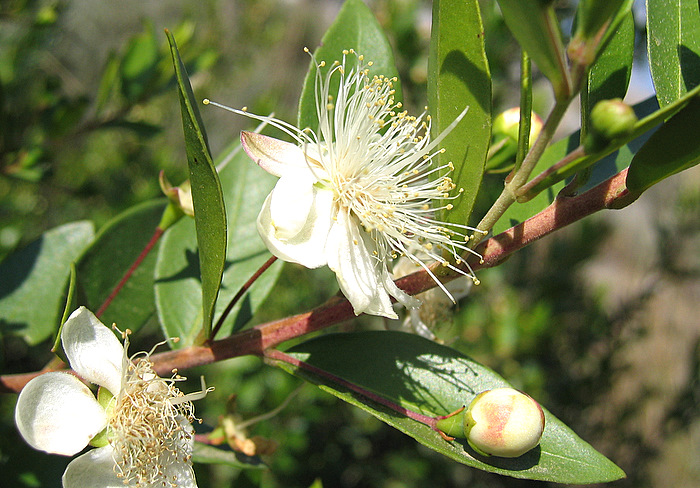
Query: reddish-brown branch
609	194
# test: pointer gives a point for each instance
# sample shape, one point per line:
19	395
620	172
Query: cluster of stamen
378	161
149	426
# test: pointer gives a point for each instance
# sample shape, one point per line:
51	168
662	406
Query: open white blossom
139	422
359	191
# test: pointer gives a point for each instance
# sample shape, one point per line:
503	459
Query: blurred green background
598	322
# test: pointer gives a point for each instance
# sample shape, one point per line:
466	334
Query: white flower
355	194
139	421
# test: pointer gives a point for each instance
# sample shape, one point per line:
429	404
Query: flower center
149	429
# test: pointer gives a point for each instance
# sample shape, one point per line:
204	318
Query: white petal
94	352
58	414
401	296
350	257
277	157
94	469
291	202
307	247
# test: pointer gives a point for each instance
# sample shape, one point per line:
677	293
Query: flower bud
504	144
610	119
503	422
181	196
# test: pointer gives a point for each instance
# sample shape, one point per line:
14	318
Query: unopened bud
610	119
179	195
501	422
504	143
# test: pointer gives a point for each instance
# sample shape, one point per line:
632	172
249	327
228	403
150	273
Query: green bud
504	143
610	119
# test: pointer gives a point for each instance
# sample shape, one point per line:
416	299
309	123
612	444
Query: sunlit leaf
209	211
673	43
432	379
458	77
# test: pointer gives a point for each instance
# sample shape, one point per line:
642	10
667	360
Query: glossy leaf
209	211
178	285
534	25
671	149
432	379
458	77
356	28
673	42
115	248
33	281
609	76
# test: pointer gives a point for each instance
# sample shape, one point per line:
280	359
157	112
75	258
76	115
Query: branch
563	211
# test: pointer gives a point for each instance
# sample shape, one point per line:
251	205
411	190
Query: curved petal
58	414
94	352
308	246
95	469
401	296
277	157
291	202
350	256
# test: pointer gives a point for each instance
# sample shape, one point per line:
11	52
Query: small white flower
356	194
139	421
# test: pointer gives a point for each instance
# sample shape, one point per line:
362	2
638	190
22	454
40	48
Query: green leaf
458	77
534	25
205	454
178	285
356	28
209	211
609	76
138	66
673	43
671	149
33	281
432	379
110	255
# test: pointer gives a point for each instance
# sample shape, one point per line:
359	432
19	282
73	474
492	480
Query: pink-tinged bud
503	422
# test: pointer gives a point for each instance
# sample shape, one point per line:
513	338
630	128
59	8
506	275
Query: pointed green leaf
673	43
432	379
534	25
33	281
209	211
671	149
178	285
356	28
104	263
458	77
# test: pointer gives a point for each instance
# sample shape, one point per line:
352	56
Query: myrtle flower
359	191
139	422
